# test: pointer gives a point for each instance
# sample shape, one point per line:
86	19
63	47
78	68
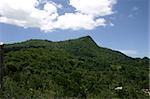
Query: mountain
73	68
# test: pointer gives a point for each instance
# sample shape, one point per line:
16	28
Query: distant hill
72	68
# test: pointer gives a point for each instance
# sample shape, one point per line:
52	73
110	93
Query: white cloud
94	7
134	12
77	21
111	24
130	16
129	52
25	13
135	8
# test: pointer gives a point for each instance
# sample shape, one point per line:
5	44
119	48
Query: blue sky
126	29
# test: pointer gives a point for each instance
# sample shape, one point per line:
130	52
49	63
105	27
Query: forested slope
73	68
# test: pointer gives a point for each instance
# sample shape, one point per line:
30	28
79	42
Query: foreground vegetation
74	68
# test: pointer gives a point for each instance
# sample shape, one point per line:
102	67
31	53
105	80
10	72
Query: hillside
72	68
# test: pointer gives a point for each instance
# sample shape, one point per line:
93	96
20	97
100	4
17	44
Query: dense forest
78	68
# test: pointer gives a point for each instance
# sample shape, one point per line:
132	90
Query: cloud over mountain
88	14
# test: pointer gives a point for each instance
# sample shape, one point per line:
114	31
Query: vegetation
74	68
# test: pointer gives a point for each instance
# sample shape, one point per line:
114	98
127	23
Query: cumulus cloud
77	21
26	13
94	7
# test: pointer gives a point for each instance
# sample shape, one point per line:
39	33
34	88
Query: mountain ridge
40	41
73	68
89	38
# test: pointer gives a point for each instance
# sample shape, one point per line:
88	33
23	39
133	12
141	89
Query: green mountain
76	68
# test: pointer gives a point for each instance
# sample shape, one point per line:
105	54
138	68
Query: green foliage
74	68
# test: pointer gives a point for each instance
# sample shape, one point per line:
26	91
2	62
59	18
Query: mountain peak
86	37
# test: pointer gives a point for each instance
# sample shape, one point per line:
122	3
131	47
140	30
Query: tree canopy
74	68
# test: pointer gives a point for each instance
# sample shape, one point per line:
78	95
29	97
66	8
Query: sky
116	24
